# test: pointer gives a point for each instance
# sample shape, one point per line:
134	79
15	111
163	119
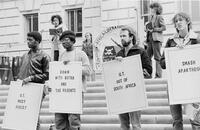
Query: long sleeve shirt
78	55
35	66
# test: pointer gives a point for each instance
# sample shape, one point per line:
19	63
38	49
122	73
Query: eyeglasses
65	40
30	39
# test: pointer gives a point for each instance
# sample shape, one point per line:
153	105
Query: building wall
92	17
97	15
119	12
170	7
10	25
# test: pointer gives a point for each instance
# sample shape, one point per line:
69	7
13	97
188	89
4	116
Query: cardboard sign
124	83
183	74
66	84
23	105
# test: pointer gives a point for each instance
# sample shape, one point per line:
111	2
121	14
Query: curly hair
184	16
36	35
58	17
157	6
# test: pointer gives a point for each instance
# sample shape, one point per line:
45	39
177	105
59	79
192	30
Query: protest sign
66	84
124	83
183	74
23	105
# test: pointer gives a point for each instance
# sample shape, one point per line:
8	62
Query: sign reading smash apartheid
23	105
65	80
124	83
183	73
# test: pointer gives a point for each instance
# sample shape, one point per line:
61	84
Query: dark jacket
171	42
35	66
158	27
88	49
146	64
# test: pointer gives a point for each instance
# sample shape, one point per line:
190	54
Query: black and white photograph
99	64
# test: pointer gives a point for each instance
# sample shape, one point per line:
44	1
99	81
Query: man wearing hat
128	40
35	63
70	121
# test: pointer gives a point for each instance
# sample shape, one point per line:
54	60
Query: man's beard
125	44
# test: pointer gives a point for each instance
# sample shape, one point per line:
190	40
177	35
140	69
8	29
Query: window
31	22
145	10
75	21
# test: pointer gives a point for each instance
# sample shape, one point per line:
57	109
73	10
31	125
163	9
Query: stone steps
113	119
95	115
117	127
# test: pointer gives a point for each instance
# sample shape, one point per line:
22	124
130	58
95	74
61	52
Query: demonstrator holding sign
128	40
68	39
184	37
35	63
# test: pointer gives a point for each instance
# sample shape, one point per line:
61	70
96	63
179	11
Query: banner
183	74
66	84
108	41
23	106
124	84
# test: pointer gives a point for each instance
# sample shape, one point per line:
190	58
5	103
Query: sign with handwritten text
124	83
183	74
66	84
23	106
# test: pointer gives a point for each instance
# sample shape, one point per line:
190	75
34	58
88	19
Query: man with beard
128	39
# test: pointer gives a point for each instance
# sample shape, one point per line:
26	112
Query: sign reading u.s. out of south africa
23	105
124	83
65	80
183	74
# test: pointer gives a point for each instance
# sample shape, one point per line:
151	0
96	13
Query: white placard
124	83
23	105
183	74
66	84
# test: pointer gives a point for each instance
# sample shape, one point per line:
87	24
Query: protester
87	47
35	63
154	29
184	36
70	121
56	20
128	39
